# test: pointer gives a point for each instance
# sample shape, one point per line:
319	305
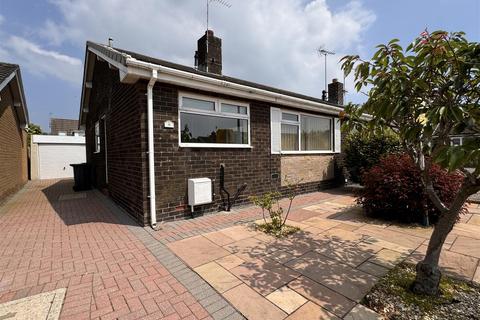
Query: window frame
96	138
460	140
216	113
299	124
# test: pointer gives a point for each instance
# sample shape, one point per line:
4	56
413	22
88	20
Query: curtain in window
289	137
316	133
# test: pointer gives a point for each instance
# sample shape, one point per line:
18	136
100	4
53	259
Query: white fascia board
117	64
136	69
190	80
51	139
7	81
23	100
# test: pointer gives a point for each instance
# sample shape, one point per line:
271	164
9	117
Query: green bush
363	151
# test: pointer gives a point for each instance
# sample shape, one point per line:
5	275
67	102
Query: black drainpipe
228	205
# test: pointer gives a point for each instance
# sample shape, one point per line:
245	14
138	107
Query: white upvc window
208	122
460	140
299	132
97	137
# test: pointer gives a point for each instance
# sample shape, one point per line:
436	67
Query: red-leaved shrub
394	190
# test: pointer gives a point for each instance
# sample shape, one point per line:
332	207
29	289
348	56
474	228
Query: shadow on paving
320	269
355	214
80	207
333	271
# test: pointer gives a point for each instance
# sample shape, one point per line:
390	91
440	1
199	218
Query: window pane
316	133
230	108
97	136
289	117
455	141
198	128
289	137
198	104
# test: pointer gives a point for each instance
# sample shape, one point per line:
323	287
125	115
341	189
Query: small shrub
270	202
363	151
394	190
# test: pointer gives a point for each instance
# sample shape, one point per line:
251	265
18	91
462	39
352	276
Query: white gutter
179	77
151	149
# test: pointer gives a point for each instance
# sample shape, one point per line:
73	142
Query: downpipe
151	150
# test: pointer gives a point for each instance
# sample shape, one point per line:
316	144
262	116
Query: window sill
306	152
215	145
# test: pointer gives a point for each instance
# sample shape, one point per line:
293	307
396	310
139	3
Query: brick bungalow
151	125
13	138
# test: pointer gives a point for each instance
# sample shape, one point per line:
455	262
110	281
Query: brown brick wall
120	103
175	165
13	149
125	107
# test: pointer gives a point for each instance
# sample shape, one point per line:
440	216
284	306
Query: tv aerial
223	3
325	53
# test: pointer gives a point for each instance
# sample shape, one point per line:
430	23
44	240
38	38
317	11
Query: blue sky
267	41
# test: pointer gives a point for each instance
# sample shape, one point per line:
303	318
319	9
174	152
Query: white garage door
55	159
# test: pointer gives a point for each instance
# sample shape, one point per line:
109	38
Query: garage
51	156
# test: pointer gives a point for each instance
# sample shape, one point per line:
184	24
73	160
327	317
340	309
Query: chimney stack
208	56
335	92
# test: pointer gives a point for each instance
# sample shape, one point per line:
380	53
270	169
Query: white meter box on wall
199	191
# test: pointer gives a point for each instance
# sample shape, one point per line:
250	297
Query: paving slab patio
326	268
311	310
197	250
45	305
253	305
326	298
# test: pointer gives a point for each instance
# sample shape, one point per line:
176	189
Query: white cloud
40	61
267	41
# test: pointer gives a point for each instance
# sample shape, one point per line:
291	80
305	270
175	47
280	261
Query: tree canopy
426	93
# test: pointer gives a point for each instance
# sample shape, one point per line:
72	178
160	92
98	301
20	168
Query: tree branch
424	167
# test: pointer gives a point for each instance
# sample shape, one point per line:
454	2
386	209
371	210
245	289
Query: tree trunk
428	274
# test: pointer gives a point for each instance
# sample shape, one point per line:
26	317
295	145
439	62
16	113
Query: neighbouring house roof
10	76
134	66
58	125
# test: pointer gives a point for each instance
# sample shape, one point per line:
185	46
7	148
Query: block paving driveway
212	267
53	238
